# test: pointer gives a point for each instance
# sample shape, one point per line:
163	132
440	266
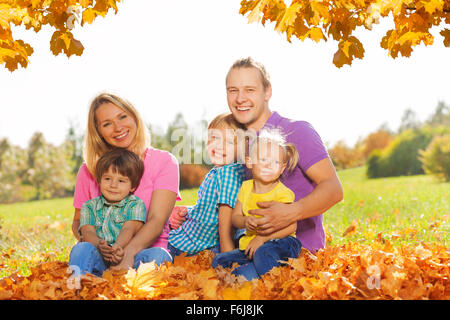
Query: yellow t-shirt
248	199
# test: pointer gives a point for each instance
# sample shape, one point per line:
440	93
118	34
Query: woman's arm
161	206
89	234
76	223
129	229
225	228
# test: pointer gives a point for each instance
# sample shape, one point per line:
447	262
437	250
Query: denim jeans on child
176	252
265	258
88	259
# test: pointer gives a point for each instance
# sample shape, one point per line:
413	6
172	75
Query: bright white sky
172	56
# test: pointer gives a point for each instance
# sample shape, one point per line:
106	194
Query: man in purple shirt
314	182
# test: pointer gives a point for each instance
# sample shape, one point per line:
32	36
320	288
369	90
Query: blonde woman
114	123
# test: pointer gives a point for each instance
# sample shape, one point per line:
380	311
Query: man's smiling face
247	98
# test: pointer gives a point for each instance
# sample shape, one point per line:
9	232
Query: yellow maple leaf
242	293
316	34
433	5
88	16
288	18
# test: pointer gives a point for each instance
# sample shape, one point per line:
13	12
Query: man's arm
327	193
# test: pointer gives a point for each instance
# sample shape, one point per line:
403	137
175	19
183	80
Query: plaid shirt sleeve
87	216
136	210
230	180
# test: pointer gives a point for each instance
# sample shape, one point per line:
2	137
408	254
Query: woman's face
116	126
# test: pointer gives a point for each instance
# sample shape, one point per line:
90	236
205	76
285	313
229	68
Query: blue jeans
88	259
265	258
176	252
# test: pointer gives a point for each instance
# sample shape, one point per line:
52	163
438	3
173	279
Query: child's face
114	186
222	148
267	162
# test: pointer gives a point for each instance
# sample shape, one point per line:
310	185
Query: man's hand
254	244
275	216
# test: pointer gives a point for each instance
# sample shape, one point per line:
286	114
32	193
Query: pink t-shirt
160	172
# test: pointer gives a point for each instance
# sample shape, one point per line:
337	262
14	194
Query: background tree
50	168
409	121
75	142
436	157
376	140
441	115
13	164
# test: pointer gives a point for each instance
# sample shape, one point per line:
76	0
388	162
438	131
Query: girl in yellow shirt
268	158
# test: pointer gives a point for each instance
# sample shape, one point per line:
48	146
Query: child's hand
105	250
177	217
254	244
117	254
250	223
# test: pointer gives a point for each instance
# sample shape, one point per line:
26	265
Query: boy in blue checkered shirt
208	223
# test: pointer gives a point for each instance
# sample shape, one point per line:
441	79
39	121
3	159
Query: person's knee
155	254
266	258
217	261
81	248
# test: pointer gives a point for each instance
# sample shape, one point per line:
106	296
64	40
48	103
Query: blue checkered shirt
200	230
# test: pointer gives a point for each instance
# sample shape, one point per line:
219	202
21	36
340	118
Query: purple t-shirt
311	150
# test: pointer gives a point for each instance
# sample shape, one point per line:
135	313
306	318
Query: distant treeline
415	148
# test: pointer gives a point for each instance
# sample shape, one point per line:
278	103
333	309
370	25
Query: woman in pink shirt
114	123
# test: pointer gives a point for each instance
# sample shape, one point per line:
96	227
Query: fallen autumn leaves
350	271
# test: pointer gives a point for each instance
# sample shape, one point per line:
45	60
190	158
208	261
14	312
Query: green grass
402	210
409	209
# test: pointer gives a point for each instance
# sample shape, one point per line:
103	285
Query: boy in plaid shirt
208	223
110	221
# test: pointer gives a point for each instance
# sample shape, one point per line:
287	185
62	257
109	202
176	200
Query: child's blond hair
275	136
225	120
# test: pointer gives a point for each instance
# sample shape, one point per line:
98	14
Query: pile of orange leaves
350	271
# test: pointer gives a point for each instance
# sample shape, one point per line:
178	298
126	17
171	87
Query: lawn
400	210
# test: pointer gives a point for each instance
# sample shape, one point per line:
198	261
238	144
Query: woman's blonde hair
95	146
